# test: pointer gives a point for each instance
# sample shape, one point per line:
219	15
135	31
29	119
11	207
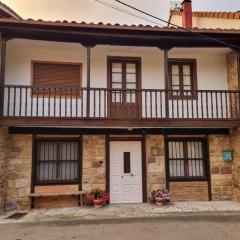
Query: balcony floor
99	123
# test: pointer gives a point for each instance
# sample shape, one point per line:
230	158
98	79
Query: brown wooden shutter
56	75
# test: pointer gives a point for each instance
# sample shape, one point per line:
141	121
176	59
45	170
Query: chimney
187	13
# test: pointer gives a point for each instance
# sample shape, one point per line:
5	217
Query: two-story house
124	108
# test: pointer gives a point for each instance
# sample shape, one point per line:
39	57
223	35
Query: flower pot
159	201
99	202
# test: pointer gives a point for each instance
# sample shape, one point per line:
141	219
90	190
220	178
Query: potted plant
160	196
98	198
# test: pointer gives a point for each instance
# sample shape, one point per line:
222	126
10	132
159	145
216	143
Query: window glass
186	70
116	78
57	161
117	85
187	81
127	162
186	159
116	67
181	78
131	78
130	68
175	70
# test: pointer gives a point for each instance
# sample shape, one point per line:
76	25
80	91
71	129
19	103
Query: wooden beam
166	77
118	131
238	68
2	71
98	122
88	79
117	36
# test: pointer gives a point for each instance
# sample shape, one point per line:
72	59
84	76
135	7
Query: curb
225	216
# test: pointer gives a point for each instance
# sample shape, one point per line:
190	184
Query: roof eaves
9	11
107	26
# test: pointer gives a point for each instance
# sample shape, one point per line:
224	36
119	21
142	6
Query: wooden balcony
102	107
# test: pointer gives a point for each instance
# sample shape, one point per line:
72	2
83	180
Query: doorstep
125	211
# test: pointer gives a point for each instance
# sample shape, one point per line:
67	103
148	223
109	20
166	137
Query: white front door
125	172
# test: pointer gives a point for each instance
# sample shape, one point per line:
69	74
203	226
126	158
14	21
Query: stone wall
235	138
235	144
233	84
3	154
156	177
94	163
232	71
221	171
16	162
18	170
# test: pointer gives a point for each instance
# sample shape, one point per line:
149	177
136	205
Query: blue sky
91	11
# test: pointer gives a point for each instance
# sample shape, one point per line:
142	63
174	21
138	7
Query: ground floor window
187	158
57	161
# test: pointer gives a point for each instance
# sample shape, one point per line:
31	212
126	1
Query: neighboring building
124	108
185	17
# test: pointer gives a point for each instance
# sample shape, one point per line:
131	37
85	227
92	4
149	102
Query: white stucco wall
211	69
207	22
211	63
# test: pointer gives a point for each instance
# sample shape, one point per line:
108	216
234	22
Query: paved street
167	228
123	211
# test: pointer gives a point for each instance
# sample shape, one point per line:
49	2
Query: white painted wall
207	22
211	70
211	63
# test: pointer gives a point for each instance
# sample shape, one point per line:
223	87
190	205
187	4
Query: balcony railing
115	104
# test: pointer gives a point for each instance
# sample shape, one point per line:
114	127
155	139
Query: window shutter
59	75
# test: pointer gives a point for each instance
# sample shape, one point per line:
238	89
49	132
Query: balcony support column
88	47
238	68
166	77
3	42
88	79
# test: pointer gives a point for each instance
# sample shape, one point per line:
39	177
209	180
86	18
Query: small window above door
127	162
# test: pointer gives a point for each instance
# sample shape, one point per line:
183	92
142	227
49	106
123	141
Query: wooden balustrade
115	104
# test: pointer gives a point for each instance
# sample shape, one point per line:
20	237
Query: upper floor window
52	78
182	78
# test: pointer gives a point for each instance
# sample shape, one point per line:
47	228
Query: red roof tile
225	15
100	25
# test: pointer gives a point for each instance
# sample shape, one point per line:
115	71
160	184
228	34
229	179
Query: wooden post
166	76
2	71
88	79
238	68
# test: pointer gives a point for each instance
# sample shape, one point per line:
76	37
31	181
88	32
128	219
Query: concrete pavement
194	227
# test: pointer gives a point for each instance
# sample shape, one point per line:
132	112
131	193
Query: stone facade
232	72
221	171
235	142
16	164
156	177
18	171
232	64
94	163
3	155
233	82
